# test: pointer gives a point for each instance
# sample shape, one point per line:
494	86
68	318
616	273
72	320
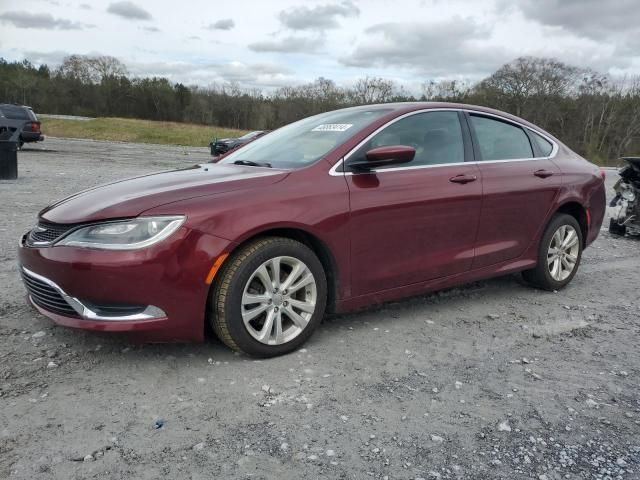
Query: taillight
603	174
35	127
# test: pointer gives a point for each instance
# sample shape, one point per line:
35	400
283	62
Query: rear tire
616	229
269	297
559	254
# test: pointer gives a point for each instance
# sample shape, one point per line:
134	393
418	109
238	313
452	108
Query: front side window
436	136
499	140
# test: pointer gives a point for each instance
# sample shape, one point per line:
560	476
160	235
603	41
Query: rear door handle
463	179
543	173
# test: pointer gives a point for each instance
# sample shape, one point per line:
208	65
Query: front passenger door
418	221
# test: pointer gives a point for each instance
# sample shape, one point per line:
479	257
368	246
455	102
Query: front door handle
463	179
542	173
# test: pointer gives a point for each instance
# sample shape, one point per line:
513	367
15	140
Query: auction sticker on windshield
332	127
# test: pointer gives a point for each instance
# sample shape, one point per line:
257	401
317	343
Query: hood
131	197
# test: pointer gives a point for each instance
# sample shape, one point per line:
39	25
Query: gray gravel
490	380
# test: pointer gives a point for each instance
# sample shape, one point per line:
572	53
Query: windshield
302	143
250	135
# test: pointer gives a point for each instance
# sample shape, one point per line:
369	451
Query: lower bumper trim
84	309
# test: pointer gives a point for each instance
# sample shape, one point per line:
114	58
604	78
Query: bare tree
596	115
88	69
450	90
77	67
105	66
372	90
517	83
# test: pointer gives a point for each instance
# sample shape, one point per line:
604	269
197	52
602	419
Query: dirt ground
490	380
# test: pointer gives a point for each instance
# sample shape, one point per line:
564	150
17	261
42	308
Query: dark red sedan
331	213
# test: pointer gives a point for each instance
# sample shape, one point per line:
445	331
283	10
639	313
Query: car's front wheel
269	297
559	254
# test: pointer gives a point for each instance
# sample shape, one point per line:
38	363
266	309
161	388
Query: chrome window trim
149	313
334	173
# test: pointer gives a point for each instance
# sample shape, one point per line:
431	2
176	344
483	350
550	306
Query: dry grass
138	131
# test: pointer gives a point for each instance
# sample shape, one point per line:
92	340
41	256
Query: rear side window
436	136
545	147
500	140
15	113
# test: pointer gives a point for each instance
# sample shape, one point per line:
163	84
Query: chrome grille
47	297
46	233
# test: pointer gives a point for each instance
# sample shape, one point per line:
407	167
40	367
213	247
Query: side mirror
383	156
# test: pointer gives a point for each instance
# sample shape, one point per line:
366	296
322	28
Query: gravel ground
490	380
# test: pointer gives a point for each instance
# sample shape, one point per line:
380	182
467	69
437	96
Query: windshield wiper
251	163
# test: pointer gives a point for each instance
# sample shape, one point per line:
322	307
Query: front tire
559	254
269	297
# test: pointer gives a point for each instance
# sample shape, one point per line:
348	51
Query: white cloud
44	21
129	11
589	18
432	49
261	75
410	41
289	44
321	17
223	24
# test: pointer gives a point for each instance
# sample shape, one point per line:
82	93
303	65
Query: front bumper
157	294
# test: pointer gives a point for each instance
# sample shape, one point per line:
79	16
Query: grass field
139	131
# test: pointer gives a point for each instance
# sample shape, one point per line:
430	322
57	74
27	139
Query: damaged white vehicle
625	217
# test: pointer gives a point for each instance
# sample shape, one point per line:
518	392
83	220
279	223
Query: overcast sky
283	42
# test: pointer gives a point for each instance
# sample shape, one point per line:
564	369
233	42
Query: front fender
317	205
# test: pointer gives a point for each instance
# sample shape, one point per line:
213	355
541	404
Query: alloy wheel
563	252
278	300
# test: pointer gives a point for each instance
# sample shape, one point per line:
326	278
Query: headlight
131	234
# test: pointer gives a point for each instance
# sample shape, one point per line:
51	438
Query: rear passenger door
520	183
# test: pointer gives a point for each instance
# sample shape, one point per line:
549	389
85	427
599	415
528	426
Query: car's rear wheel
269	297
559	254
616	229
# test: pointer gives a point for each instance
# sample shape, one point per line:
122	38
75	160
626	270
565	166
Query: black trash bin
9	154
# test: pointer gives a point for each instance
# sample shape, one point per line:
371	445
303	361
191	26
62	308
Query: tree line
596	115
